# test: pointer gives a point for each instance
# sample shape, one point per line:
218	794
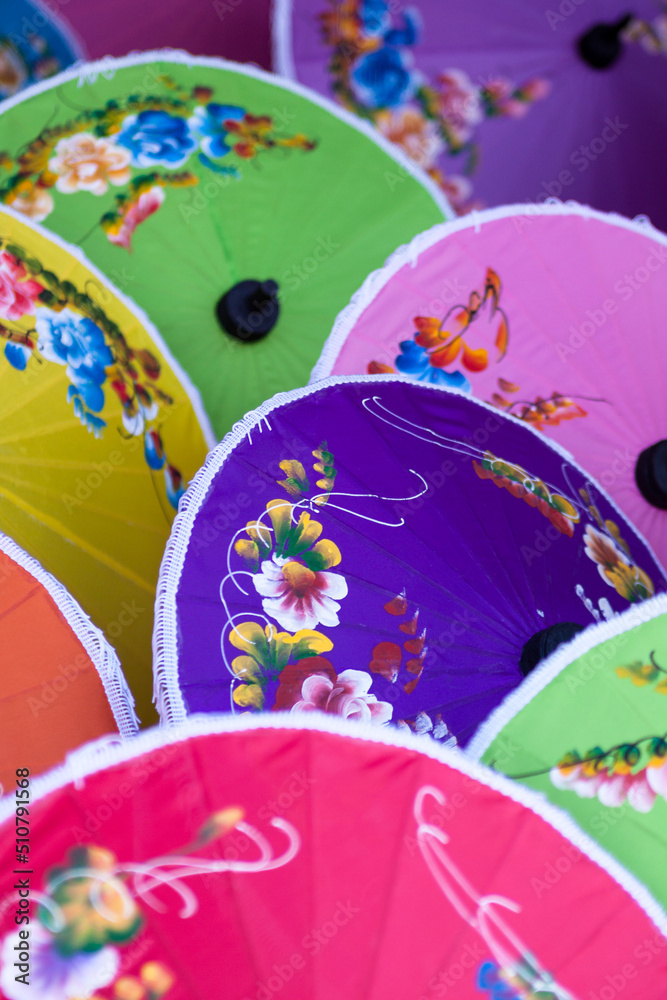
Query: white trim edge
100	652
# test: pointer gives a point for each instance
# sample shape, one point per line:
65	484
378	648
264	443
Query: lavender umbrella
380	549
506	101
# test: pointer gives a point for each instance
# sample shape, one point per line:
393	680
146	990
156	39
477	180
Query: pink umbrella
259	859
552	313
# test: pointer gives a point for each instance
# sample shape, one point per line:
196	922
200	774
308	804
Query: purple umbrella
384	550
500	100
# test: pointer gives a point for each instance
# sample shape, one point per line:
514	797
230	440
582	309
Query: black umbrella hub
601	46
651	474
543	643
249	310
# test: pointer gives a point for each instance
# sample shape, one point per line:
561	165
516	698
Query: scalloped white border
62	25
242	69
562	657
74	251
98	755
167	693
101	653
410	252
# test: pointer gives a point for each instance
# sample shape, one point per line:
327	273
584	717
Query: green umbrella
588	729
240	210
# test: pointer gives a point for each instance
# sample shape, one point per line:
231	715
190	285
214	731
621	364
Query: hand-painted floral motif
641	674
439	343
558	509
346	695
156	139
635	773
83	162
293	563
541	412
51	320
25	58
615	566
513	965
267	653
91	907
373	73
103	148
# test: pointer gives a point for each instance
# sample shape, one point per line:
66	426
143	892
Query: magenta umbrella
228	28
516	101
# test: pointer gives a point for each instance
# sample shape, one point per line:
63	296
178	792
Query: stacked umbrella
407	649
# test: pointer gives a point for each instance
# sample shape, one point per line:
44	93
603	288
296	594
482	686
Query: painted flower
145	205
32	200
459	104
415	134
13	71
347	695
457	189
375	17
415	361
521	484
174	485
266	653
85	162
293	566
383	78
155	138
56	974
67	338
298	597
209	124
18	294
615	568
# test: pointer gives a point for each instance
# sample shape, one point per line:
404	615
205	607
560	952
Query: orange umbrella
61	683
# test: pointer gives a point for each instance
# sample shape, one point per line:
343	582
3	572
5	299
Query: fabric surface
98	439
51	696
382	550
317	864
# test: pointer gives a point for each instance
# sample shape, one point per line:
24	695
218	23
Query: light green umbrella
588	729
182	177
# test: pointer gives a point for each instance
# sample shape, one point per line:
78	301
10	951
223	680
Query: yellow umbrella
100	432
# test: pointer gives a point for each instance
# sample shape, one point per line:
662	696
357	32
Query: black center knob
651	474
543	643
601	46
249	310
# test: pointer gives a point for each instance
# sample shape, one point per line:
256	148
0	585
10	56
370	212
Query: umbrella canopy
35	43
252	209
552	313
499	104
314	862
376	548
61	683
226	28
99	434
587	729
